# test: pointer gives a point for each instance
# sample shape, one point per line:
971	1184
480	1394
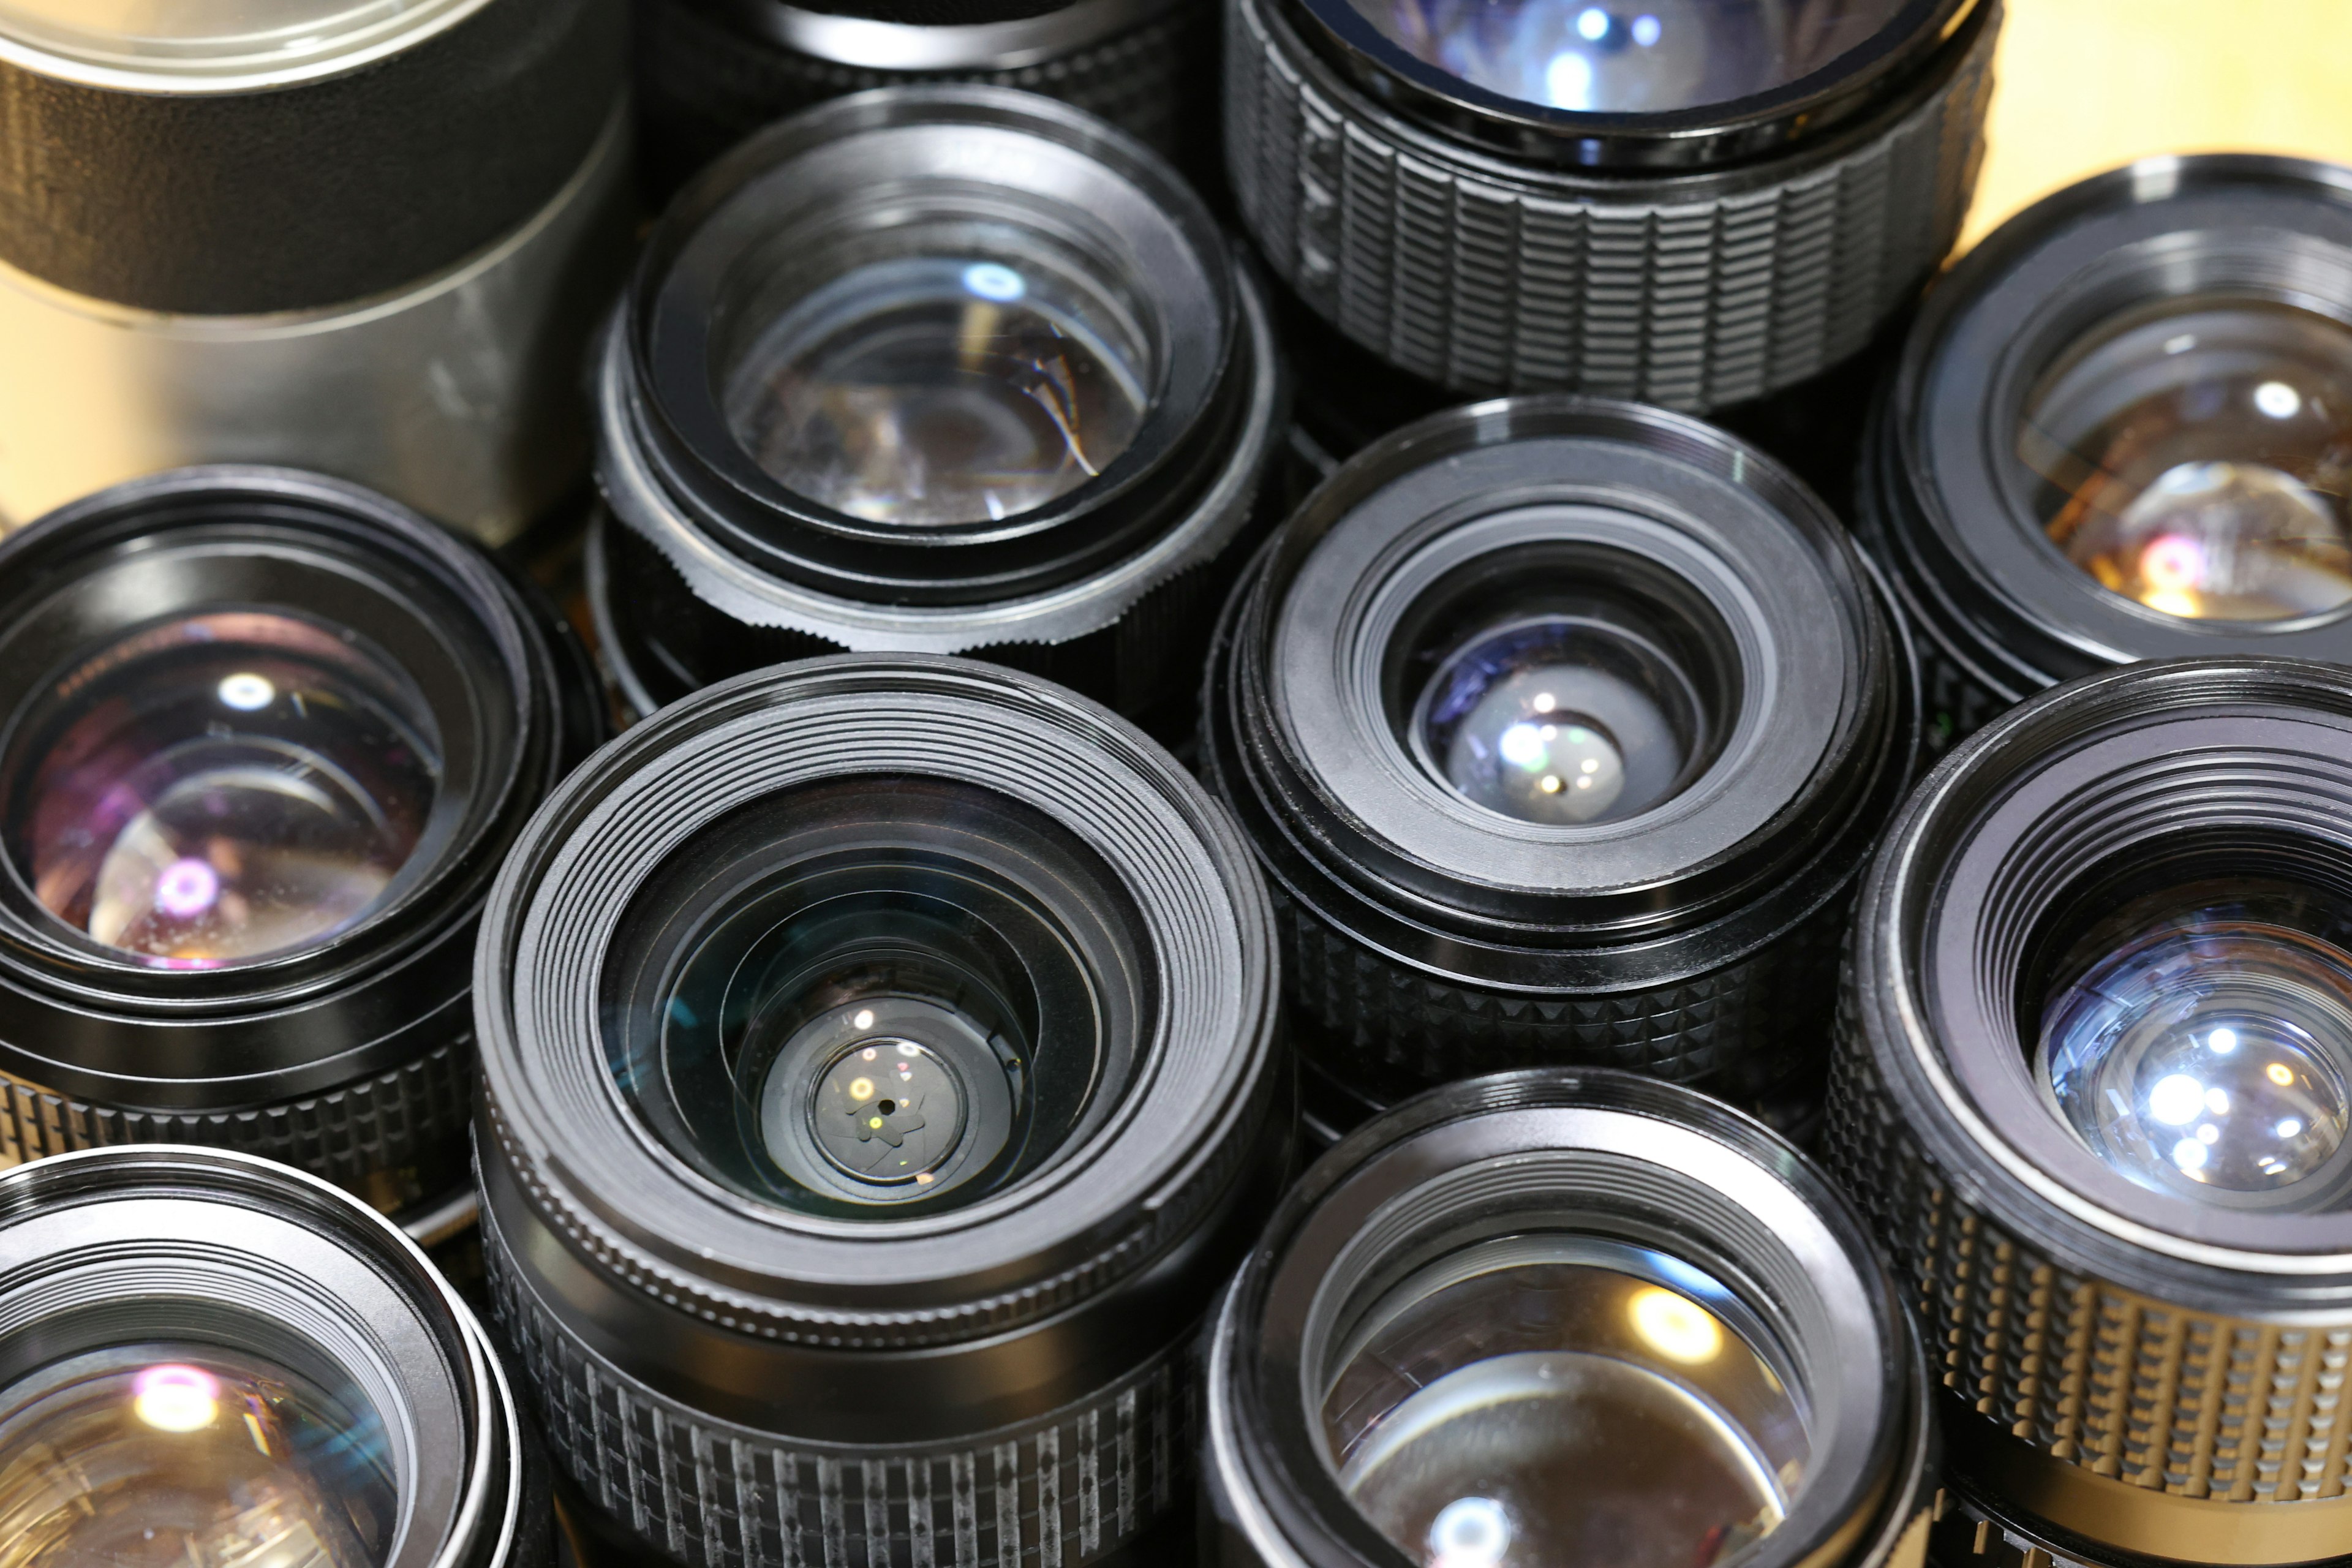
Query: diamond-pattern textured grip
1482	275
1057	1492
1739	1032
392	1138
2197	1404
705	86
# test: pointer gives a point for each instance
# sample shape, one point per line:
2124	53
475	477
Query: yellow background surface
2085	84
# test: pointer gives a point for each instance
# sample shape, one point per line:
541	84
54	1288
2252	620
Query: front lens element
2198	460
2210	1056
161	1456
1562	1400
220	788
942	389
1629	56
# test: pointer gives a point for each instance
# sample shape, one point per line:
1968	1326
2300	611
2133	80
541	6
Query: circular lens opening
1557	1400
1563	685
2202	1046
2195	458
1645	56
913	995
221	788
946	373
160	1454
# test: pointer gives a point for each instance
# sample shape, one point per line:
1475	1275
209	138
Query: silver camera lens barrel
376	249
1479	269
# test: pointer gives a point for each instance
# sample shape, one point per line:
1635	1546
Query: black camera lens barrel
206	1345
2140	1349
1611	1196
2173	267
1429	933
377	707
735	1354
716	559
1689	259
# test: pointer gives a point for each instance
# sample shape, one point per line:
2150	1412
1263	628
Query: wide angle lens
268	735
1542	771
279	1377
916	1093
1578	1366
944	369
2099	1023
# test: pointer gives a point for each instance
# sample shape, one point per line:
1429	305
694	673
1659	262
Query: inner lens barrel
364	238
1544	767
2098	1031
1615	172
276	1375
2123	429
935	370
880	1081
268	735
1564	1318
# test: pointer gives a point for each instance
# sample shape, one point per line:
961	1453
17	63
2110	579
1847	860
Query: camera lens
267	737
275	1376
880	1080
710	74
2123	429
1627	181
2092	1085
1513	1281
364	238
938	370
1560	727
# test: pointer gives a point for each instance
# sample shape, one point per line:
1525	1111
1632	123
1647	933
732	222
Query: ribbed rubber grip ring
1483	276
392	1138
1064	1490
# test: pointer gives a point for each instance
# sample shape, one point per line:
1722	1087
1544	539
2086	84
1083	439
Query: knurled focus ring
1066	1488
2191	1404
1483	278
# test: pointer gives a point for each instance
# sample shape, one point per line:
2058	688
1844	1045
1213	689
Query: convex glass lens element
2210	1056
2196	458
164	1456
220	788
1558	1401
1636	57
939	389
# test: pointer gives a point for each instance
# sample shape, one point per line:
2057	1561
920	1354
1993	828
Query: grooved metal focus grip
2193	1404
1066	1488
1689	291
705	86
321	192
392	1138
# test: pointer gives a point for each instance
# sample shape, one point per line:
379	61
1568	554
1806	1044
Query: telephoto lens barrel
1693	203
931	370
267	738
1565	1319
2122	429
369	237
1562	729
2094	1077
710	72
212	1359
879	1056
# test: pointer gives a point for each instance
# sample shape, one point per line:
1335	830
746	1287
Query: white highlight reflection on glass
1469	1533
1568	81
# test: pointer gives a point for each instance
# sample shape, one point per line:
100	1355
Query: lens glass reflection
2210	1056
220	788
1561	719
1629	56
2197	459
162	1455
941	389
1557	1401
